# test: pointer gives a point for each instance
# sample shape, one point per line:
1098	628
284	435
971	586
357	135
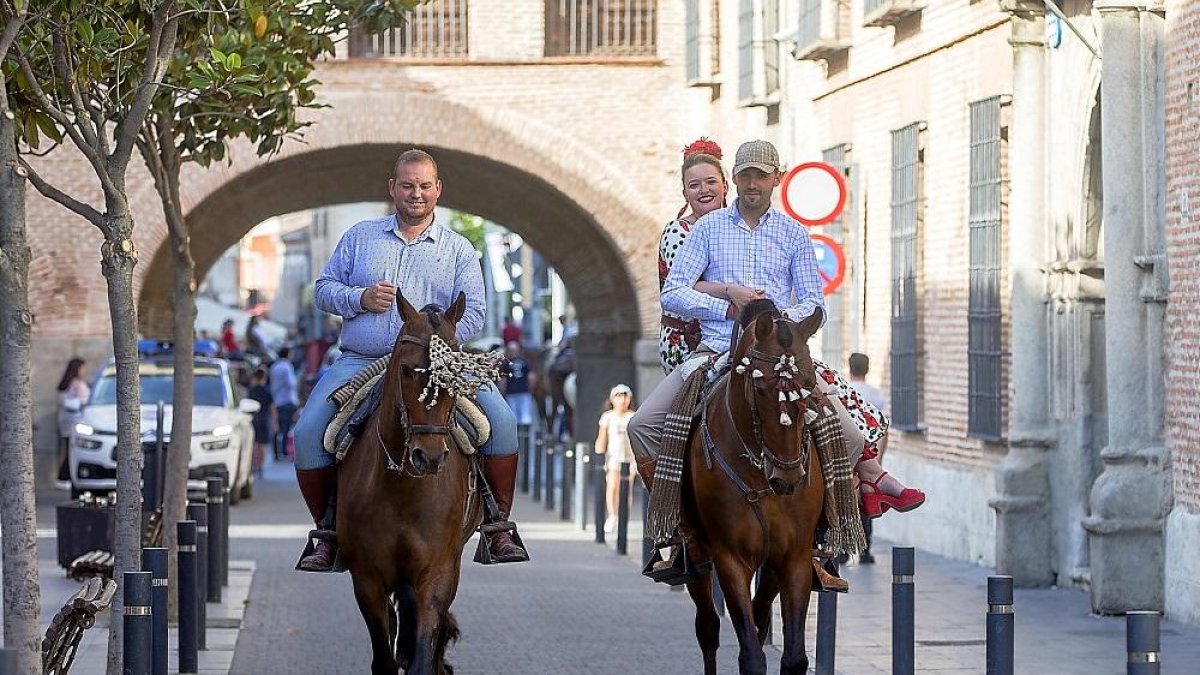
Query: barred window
702	26
984	348
601	27
906	352
435	29
758	53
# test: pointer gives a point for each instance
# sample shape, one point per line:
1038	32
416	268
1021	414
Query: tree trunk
184	302
22	596
119	258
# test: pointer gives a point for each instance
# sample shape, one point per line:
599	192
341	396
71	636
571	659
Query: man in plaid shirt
749	250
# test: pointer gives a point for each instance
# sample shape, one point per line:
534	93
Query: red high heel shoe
876	502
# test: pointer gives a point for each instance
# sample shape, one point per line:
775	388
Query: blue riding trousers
318	411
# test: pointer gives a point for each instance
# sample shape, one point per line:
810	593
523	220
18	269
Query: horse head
774	374
419	410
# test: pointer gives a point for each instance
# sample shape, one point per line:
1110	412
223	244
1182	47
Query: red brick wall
1183	249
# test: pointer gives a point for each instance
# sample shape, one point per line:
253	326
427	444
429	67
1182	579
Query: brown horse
753	491
406	508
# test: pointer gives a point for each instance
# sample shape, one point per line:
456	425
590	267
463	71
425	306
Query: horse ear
812	324
407	311
456	311
763	327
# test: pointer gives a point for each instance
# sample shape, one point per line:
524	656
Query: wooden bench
66	630
92	564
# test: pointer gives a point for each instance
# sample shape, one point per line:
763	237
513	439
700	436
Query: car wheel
235	495
248	488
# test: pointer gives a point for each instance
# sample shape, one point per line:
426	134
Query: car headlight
215	445
84	429
223	430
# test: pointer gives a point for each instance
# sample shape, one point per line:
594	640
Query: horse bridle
407	427
765	458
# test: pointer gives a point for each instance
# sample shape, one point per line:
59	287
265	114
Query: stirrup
483	551
681	571
310	547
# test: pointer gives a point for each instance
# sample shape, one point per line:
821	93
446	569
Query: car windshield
156	381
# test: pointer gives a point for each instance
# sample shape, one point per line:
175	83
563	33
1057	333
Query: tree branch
158	54
11	28
50	192
63	69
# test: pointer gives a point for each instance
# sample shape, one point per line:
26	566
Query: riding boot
826	580
319	487
501	474
645	469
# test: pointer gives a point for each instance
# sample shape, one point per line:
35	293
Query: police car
222	433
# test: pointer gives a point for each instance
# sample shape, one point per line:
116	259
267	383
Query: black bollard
567	462
138	631
826	632
536	449
1001	624
198	512
599	486
216	495
152	468
623	511
903	610
223	532
548	480
154	561
523	454
188	659
1142	643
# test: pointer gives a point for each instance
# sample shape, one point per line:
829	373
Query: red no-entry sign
814	193
831	261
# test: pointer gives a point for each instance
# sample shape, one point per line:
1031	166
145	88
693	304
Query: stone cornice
1025	9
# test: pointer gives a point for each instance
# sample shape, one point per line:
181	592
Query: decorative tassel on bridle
456	372
786	383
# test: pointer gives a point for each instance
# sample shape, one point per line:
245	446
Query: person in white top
73	393
613	442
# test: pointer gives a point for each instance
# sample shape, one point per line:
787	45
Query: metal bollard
623	511
523	455
903	610
1001	624
154	561
568	488
548	483
198	512
1142	643
535	449
153	469
826	632
188	659
223	531
137	638
579	489
216	495
598	487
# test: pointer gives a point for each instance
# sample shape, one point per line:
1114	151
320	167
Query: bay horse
406	507
753	491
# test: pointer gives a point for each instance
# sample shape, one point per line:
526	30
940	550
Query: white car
222	433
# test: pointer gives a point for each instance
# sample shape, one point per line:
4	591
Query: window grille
702	28
601	27
435	29
984	349
906	272
758	53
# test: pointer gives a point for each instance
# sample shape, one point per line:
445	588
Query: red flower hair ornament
702	146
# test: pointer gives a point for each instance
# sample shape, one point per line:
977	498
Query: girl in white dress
613	443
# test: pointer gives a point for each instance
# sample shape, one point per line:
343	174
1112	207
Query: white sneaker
610	525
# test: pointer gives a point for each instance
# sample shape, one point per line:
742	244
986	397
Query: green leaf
86	33
234	61
246	89
218	55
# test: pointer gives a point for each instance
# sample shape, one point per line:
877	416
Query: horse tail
448	634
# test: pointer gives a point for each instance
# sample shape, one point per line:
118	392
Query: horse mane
751	311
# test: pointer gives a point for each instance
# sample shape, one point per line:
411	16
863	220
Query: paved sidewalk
224	621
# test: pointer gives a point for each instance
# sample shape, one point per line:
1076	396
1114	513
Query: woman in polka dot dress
705	189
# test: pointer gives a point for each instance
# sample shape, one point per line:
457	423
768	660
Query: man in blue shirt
428	263
748	250
284	395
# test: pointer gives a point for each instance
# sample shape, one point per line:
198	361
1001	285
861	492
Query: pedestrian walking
229	343
256	340
286	397
264	421
518	383
511	332
613	442
73	393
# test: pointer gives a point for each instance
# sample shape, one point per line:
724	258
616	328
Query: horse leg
432	610
406	627
708	624
735	584
764	599
797	589
375	606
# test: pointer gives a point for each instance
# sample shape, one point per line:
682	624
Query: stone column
1024	541
1131	498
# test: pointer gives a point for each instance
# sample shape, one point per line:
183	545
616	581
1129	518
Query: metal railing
601	28
436	29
